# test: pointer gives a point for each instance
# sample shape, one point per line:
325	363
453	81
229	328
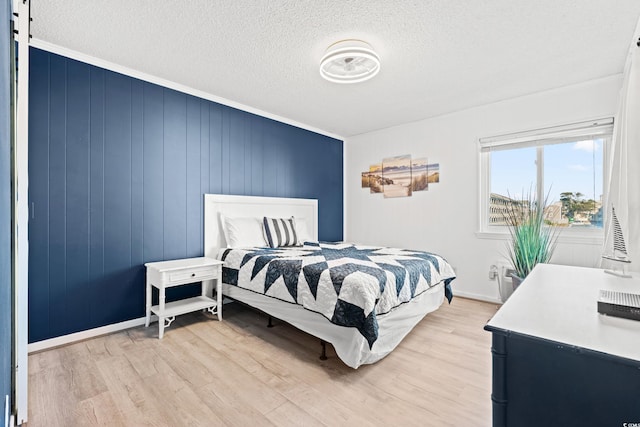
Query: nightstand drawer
196	274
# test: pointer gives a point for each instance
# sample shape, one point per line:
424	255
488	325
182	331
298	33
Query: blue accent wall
118	168
5	208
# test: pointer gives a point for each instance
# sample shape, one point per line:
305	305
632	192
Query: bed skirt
351	347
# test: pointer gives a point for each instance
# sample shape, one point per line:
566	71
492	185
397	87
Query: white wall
444	219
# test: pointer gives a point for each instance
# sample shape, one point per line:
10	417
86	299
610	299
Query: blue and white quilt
348	284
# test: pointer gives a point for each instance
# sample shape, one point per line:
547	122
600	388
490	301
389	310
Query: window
562	165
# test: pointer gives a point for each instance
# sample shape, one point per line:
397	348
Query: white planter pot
516	281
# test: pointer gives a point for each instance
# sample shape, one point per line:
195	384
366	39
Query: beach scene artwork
419	181
433	171
396	174
400	176
365	179
376	183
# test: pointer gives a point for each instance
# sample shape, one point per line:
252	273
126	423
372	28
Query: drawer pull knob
193	274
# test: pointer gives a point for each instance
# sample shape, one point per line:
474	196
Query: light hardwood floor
238	372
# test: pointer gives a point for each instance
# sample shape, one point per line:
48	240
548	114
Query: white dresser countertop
560	303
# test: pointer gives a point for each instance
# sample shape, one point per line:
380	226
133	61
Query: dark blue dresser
556	361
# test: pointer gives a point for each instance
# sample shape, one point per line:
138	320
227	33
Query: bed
363	300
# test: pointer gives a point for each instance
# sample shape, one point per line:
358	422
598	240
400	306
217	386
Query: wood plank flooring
238	372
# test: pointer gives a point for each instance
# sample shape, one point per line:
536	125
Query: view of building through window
571	174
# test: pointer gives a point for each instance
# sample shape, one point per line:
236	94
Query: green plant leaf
532	242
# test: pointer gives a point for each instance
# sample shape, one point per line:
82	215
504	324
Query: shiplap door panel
6	299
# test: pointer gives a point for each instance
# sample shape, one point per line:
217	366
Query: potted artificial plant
532	239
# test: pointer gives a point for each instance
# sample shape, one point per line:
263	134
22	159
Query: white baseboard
476	297
83	335
108	329
92	333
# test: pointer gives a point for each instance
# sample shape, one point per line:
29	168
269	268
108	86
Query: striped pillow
280	232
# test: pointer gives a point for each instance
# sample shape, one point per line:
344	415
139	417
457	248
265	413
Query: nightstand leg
148	309
161	310
219	292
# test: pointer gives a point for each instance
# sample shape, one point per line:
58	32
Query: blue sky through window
573	166
513	172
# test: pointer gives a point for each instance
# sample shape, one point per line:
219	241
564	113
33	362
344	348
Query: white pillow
243	232
302	231
223	224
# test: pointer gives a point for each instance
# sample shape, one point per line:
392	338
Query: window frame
594	129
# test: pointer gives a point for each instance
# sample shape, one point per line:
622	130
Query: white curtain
623	189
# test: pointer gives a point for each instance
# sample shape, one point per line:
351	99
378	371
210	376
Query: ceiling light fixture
349	61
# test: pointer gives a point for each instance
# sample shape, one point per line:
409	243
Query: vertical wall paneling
225	152
248	147
204	160
257	156
76	212
119	286
175	170
152	166
270	162
234	144
96	189
57	195
39	194
192	189
332	157
137	273
118	171
217	165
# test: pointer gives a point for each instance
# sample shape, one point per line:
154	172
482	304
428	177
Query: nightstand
167	274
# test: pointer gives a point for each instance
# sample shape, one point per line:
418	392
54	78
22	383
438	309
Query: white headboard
256	207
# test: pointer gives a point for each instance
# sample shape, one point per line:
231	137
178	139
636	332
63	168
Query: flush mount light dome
349	61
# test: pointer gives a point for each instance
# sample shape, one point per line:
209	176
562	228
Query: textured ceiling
437	56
